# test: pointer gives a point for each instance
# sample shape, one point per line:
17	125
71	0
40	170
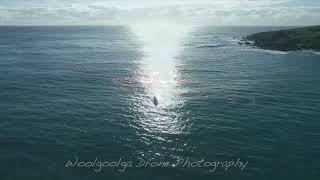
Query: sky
199	12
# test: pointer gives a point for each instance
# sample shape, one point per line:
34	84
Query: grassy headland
307	38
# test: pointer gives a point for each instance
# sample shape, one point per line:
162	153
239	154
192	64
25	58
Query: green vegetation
307	38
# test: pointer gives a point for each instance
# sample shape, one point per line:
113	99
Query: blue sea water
86	93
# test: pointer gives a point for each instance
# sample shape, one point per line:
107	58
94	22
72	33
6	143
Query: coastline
305	38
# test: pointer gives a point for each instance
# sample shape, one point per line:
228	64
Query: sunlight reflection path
161	45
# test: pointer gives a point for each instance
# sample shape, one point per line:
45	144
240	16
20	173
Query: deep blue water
86	92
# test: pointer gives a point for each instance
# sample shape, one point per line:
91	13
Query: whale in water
155	101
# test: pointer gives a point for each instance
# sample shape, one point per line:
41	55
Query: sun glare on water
161	45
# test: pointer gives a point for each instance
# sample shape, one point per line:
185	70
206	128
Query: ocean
76	103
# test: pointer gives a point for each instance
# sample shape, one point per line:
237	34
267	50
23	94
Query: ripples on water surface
87	92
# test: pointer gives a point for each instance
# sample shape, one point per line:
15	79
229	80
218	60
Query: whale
155	101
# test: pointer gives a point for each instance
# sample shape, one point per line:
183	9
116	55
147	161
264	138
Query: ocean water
85	93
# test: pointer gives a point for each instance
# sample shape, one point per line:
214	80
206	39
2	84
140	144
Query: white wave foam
310	52
275	52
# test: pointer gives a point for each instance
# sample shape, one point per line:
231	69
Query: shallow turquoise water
85	92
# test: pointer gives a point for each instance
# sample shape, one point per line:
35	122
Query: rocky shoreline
307	38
